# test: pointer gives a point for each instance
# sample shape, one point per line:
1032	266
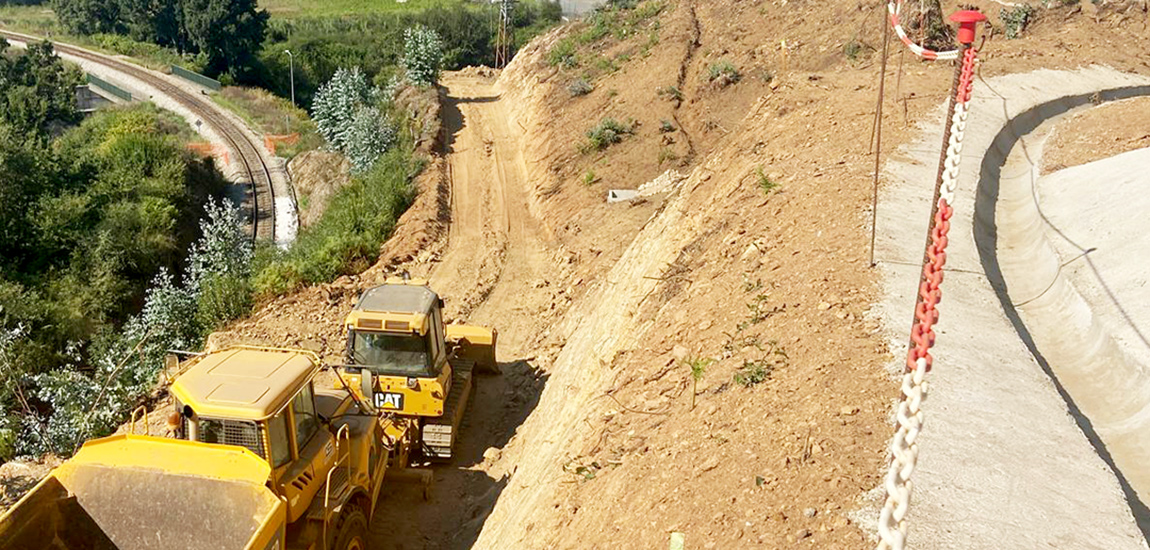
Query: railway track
259	178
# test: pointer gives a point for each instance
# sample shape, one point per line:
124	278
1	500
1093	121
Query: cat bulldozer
261	459
407	363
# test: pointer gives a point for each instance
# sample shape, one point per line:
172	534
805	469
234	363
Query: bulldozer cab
397	352
397	330
263	400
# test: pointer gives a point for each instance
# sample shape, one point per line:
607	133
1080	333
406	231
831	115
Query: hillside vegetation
90	216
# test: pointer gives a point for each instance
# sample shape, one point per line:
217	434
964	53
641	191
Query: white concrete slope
1011	456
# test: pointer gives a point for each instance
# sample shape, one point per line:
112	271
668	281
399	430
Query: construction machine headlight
412	383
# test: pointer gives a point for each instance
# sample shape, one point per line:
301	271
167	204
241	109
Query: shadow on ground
463	493
453	119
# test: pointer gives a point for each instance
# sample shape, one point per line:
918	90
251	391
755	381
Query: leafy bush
580	87
606	133
219	267
752	372
336	103
1016	19
370	135
666	126
346	116
422	55
563	53
723	71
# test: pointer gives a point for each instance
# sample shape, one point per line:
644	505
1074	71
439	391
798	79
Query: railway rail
258	176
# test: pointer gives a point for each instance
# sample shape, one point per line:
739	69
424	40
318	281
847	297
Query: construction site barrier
271	142
108	87
197	78
892	524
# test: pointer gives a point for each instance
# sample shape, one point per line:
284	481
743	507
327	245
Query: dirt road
492	271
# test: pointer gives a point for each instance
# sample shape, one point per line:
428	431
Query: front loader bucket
475	344
131	493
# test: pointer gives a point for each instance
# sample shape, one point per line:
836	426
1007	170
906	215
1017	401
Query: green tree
87	16
150	21
229	32
36	88
422	55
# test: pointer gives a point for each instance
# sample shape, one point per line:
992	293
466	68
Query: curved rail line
259	176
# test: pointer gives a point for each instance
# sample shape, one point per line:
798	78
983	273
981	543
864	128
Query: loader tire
352	533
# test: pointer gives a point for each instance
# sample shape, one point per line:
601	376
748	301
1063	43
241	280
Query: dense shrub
91	220
606	133
422	55
36	88
580	87
347	114
336	104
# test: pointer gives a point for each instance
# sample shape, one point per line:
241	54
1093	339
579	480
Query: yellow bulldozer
407	363
262	459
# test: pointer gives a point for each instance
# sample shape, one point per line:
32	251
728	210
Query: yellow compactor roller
407	363
263	459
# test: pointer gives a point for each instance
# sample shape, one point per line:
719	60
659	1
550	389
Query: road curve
253	173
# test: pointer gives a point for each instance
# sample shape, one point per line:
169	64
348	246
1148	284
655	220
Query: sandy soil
1109	130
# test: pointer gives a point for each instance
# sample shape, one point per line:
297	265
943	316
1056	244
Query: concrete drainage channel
1031	437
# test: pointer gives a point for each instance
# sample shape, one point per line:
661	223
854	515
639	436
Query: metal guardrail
108	87
209	83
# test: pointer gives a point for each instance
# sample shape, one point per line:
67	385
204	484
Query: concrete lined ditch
1011	456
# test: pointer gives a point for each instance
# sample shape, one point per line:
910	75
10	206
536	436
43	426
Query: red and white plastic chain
894	8
892	525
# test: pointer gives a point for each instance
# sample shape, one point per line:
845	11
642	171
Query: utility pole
291	68
503	42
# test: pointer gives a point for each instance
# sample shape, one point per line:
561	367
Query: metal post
877	143
291	68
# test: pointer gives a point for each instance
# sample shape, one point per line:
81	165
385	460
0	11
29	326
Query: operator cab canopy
244	383
397	329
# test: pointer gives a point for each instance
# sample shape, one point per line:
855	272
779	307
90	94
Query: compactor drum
403	360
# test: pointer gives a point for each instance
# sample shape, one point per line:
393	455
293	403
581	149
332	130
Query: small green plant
652	41
753	372
765	182
667	154
853	49
1016	19
606	133
589	178
666	126
612	93
724	72
670	92
751	286
698	366
759	370
563	54
606	64
580	87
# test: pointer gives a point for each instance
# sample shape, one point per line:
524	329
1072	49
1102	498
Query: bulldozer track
258	176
